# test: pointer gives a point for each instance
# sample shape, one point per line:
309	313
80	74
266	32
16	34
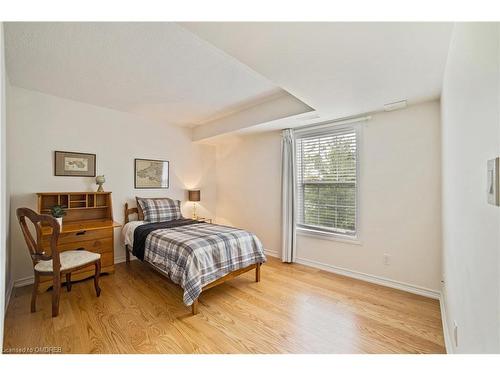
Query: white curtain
288	196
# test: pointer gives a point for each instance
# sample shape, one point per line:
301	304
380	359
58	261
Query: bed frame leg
257	272
194	307
127	255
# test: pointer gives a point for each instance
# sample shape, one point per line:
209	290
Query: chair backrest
35	246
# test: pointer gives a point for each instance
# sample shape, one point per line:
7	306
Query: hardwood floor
294	309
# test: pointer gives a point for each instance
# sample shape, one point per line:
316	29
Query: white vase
59	220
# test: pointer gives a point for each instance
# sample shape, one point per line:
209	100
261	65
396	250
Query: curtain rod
331	123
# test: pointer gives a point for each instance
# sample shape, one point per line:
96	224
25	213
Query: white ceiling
160	70
204	73
340	69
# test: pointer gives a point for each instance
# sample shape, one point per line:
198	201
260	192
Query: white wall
400	197
248	185
38	124
471	227
4	259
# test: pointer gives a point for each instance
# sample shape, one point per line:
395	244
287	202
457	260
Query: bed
193	254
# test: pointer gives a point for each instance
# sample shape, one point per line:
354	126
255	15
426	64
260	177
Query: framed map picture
74	164
151	174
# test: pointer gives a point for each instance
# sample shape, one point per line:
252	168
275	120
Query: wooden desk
89	226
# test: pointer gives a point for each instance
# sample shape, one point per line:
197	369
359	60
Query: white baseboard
415	289
120	259
123	259
271	253
448	342
24	281
8	294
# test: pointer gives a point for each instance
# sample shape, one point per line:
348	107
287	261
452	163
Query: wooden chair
54	264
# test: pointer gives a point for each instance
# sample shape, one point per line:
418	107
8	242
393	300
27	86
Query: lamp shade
194	195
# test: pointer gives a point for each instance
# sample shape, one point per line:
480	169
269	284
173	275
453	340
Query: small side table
205	219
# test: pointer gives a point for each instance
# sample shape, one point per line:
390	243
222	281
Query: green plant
57	211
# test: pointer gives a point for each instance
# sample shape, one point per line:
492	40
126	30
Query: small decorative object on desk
99	180
58	212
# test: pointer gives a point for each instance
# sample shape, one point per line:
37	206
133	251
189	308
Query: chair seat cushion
69	259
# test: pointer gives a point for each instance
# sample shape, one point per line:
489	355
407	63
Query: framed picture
151	174
74	164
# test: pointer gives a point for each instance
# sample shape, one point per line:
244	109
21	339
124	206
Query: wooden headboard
129	211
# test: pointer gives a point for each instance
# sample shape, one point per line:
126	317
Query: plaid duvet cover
194	255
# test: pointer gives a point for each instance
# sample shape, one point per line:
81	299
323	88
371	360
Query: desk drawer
101	245
83	235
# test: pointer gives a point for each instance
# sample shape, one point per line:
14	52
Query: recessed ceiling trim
281	107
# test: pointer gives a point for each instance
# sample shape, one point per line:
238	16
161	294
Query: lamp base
194	211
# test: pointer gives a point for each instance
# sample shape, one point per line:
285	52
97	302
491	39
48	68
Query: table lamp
194	196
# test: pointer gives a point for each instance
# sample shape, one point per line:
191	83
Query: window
327	170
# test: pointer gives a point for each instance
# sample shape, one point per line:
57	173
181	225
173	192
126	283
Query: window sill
329	236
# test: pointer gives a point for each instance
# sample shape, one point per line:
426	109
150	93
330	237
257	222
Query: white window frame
324	234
